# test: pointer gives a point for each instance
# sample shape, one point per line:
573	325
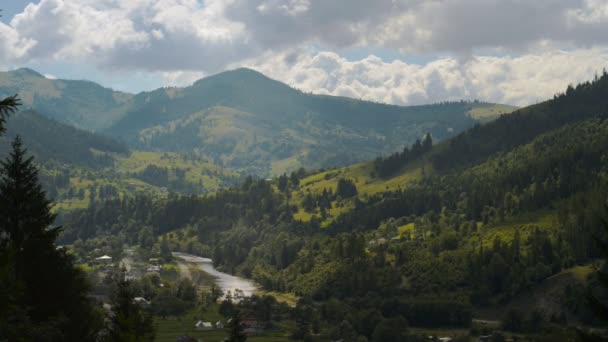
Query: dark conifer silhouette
47	293
129	321
7	106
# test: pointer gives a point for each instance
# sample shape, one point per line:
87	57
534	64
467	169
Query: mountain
77	166
472	227
50	140
81	104
244	120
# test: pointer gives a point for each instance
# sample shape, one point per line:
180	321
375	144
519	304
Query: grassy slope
197	172
546	296
360	174
526	223
169	329
490	111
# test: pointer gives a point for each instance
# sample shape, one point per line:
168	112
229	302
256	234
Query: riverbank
228	282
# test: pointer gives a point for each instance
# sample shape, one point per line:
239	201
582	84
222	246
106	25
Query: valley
457	220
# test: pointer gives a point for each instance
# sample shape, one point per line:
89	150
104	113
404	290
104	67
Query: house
141	301
219	325
200	325
104	259
153	268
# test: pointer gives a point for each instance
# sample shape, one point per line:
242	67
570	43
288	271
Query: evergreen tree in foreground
7	106
129	321
46	295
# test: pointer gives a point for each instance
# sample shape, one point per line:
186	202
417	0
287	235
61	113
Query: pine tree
598	306
25	214
129	322
50	293
236	329
165	251
7	106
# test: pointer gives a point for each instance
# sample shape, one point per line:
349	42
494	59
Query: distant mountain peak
26	72
238	75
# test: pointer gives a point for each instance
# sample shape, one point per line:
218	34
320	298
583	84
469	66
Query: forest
499	210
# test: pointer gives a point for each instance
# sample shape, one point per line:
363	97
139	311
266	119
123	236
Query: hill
510	211
82	104
243	120
79	167
50	140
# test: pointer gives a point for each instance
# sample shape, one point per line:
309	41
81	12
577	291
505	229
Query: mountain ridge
279	128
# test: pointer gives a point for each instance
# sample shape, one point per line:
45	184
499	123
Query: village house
104	259
153	269
141	301
200	325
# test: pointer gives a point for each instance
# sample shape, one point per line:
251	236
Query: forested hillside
78	168
81	104
49	140
243	120
462	227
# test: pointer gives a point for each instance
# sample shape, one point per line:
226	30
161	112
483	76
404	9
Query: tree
391	330
283	184
236	329
226	308
346	188
165	251
216	292
597	305
186	290
38	278
128	321
428	142
7	106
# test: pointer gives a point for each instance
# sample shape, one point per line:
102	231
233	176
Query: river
227	282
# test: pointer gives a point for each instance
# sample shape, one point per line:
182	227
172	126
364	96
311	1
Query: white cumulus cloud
538	45
513	80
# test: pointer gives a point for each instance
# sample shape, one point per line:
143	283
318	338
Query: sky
403	52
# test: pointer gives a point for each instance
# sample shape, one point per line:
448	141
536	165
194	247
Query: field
168	329
201	176
525	224
488	112
196	170
361	176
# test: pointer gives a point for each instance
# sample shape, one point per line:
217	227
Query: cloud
514	80
501	50
178	35
165	35
459	26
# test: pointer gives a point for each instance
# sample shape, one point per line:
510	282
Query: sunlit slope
130	175
244	120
